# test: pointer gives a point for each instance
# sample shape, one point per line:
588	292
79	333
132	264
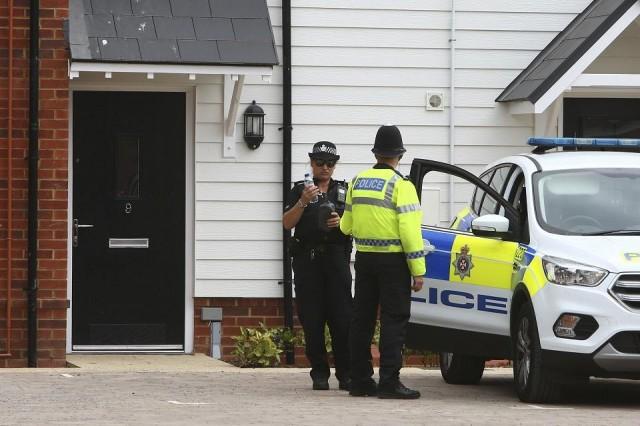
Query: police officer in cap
321	255
384	216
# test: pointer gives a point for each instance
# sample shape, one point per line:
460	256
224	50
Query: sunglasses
320	163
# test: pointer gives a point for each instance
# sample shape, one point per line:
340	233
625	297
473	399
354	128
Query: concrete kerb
170	363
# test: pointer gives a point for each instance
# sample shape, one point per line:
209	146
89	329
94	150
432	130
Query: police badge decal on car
463	263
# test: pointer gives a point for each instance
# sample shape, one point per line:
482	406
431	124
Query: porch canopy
597	52
191	37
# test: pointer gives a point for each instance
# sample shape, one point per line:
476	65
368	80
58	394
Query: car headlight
567	272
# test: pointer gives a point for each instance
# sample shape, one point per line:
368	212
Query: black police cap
324	150
388	142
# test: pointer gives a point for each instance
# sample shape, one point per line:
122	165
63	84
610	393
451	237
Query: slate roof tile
140	27
164	51
199	51
113	7
118	49
190	8
239	8
172	31
151	7
174	27
251	29
213	29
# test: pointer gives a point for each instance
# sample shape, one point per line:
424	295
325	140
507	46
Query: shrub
262	346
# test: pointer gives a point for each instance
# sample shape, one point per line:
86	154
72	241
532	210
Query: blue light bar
577	142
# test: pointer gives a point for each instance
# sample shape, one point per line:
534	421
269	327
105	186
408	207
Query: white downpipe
452	106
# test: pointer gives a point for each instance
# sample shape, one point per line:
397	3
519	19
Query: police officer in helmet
384	216
321	255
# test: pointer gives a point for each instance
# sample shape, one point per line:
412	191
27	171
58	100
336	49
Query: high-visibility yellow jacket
384	216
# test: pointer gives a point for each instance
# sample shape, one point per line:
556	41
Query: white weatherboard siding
358	64
622	56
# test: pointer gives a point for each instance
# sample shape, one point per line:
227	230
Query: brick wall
52	185
236	313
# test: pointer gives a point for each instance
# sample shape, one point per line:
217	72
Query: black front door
128	221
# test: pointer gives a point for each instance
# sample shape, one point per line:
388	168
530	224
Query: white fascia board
106	67
587	59
607	80
520	107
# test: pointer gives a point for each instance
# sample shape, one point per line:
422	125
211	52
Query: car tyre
457	369
534	383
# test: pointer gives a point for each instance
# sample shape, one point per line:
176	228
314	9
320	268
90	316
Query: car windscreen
588	202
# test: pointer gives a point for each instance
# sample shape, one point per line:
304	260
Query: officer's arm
298	201
409	226
346	222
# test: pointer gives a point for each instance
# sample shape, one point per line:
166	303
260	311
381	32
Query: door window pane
127	176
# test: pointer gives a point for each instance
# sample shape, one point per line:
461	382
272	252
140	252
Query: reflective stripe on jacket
384	216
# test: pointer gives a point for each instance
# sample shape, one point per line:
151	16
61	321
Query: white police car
543	267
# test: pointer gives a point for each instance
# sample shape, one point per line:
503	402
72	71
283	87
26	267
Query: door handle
76	227
428	247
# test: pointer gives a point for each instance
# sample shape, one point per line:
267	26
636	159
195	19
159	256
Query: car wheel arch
519	298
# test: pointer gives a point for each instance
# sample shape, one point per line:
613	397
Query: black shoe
345	384
397	391
367	388
320	384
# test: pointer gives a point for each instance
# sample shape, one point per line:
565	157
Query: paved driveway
224	396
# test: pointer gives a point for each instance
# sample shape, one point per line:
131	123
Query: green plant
284	337
262	346
255	347
376	334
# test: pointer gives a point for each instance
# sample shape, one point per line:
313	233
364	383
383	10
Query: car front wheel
533	382
460	369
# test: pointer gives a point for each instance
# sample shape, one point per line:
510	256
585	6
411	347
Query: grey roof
208	32
565	50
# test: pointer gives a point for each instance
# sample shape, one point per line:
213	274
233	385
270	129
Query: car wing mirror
491	225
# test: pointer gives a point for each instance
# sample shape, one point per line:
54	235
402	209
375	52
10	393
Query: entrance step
137	363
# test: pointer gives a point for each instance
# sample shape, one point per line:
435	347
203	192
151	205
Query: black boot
320	384
345	384
366	388
397	390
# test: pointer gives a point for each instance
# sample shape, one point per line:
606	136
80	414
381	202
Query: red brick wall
236	313
52	185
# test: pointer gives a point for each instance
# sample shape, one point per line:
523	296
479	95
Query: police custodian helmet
388	142
324	150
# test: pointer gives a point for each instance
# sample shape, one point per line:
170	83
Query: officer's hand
334	220
309	193
418	282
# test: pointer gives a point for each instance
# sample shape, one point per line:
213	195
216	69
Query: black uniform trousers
381	279
323	296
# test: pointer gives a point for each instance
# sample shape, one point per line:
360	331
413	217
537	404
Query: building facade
212	203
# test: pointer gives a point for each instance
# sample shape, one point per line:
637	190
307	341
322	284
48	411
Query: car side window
479	193
517	197
499	178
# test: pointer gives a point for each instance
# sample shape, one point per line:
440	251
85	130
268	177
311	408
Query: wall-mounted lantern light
253	125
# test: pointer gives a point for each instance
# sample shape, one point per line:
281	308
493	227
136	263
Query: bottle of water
308	181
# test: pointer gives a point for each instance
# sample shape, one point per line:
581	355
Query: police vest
307	229
384	216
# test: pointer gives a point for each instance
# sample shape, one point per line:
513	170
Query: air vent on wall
435	101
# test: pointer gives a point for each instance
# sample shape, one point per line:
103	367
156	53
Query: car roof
565	160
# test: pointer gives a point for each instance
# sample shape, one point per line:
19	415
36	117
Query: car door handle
428	247
77	226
